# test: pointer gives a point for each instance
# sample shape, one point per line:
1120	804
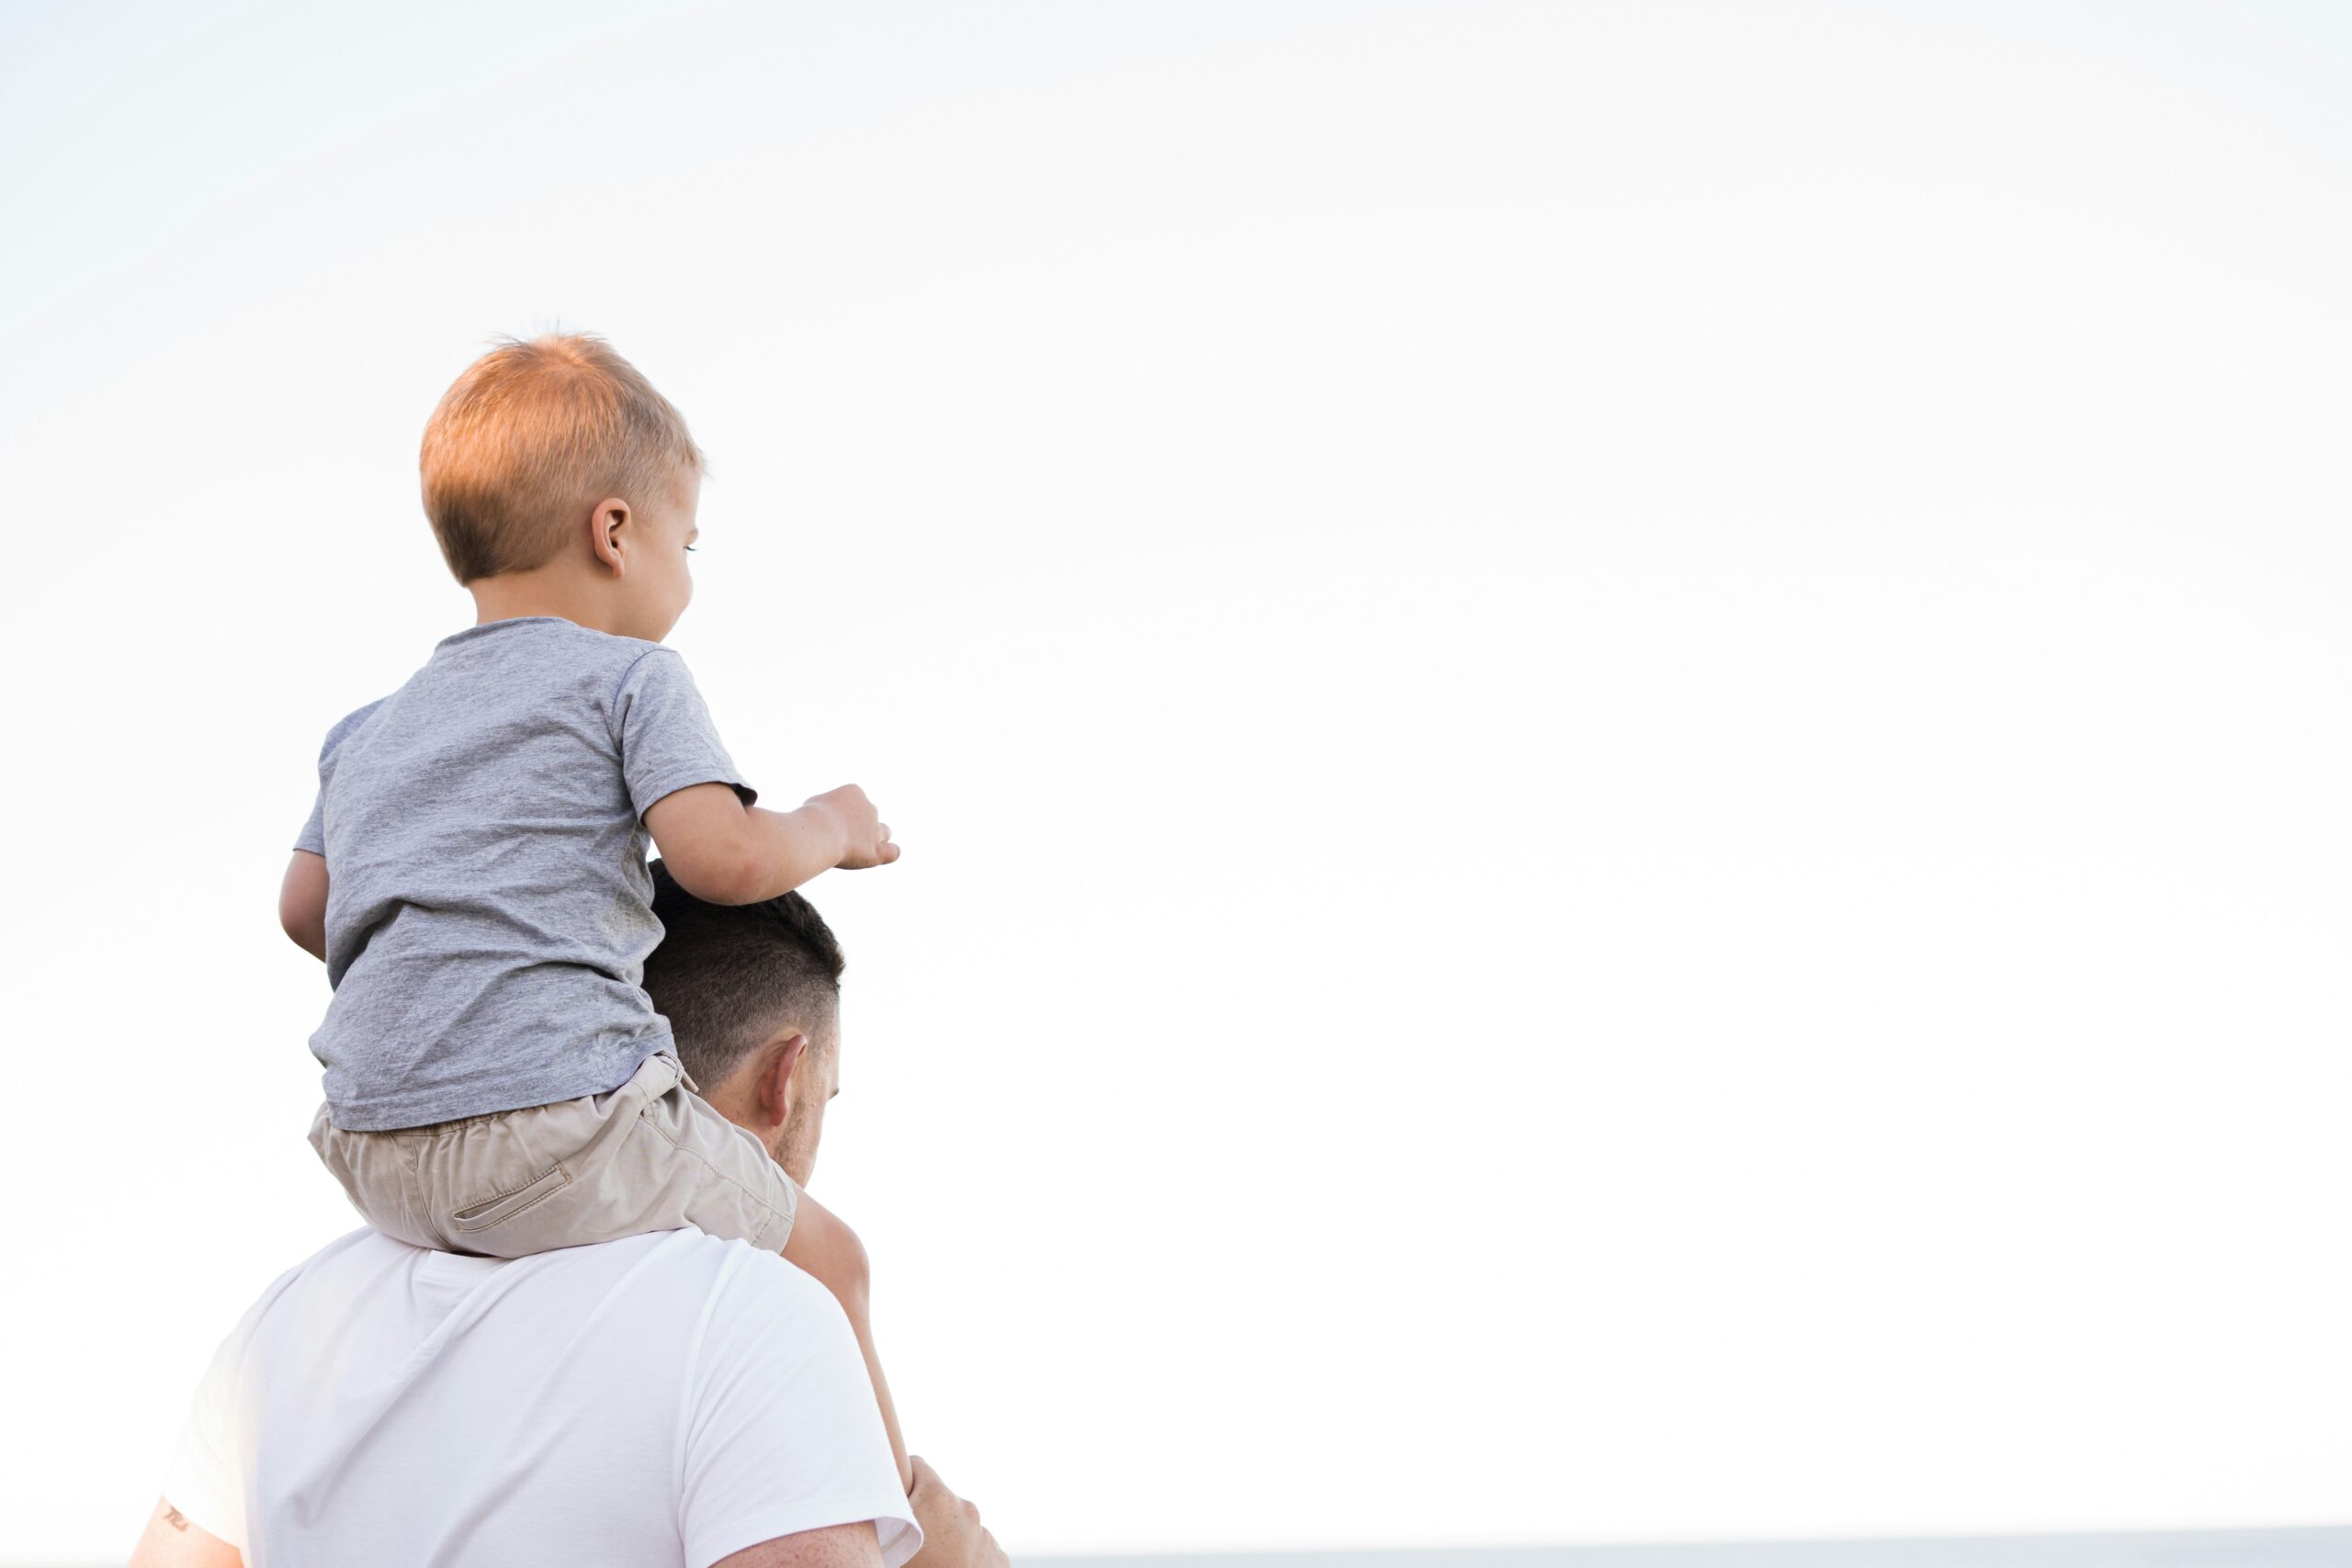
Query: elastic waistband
663	1060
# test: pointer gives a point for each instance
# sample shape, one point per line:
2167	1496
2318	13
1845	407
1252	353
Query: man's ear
606	523
777	1085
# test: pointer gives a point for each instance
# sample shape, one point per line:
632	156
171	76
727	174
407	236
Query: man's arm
173	1541
302	903
837	1546
953	1537
724	852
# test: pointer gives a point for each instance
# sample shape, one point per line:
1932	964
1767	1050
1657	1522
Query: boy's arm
724	852
302	903
827	1250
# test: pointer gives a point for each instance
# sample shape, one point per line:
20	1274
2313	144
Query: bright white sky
1622	728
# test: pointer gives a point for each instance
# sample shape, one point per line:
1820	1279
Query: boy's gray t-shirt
488	909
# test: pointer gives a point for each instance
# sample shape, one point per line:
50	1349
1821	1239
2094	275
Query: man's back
668	1398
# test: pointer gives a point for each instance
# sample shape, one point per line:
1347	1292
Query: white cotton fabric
668	1399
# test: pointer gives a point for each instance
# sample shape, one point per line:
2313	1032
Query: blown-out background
1621	729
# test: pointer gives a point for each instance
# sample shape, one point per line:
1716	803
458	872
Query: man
663	1399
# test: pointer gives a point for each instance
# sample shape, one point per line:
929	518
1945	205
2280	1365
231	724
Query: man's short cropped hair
728	975
531	437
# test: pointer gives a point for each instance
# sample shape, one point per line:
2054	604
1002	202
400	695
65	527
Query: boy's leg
373	1169
570	1173
744	1194
829	1251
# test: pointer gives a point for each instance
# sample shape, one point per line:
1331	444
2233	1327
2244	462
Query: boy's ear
605	524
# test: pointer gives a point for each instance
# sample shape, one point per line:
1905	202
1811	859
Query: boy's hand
865	839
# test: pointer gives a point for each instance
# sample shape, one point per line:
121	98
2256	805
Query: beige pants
652	1155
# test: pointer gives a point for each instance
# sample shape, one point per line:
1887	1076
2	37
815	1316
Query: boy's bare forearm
723	851
790	848
761	854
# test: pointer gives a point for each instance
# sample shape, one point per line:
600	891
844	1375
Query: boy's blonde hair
532	434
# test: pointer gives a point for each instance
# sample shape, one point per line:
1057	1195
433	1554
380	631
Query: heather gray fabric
487	907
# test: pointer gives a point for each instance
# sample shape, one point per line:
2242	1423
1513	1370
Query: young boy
474	871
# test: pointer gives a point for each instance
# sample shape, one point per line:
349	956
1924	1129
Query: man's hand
952	1534
865	839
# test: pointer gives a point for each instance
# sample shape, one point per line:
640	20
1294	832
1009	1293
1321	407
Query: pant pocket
504	1206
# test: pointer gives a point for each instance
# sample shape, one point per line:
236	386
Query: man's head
557	457
753	994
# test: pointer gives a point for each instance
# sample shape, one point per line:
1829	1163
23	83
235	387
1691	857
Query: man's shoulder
345	1246
720	1301
690	1259
290	1288
666	1283
767	1276
726	1265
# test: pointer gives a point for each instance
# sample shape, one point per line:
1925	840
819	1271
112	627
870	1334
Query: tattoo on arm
175	1518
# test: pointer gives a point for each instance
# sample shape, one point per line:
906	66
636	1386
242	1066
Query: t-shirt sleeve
204	1479
781	1433
666	738
312	839
313	835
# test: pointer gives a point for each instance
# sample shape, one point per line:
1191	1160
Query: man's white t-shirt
666	1399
